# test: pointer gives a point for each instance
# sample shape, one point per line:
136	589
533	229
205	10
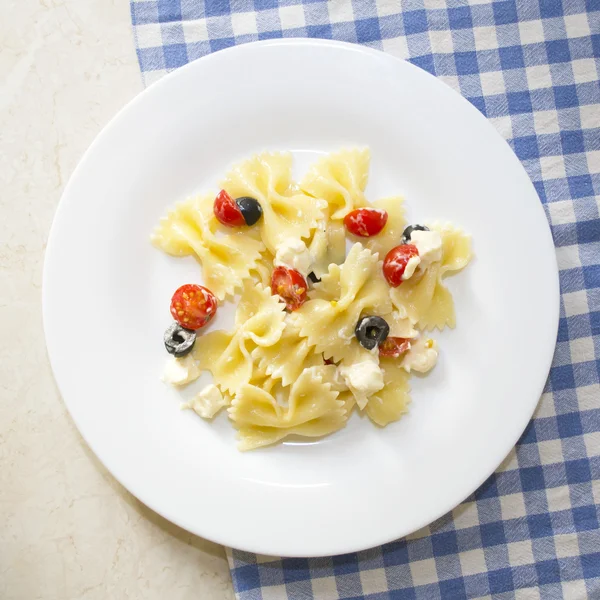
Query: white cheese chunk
411	265
421	357
429	245
208	402
294	254
179	371
363	379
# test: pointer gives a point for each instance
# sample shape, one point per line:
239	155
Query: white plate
107	292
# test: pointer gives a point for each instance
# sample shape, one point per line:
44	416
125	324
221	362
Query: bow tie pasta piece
456	249
391	234
262	380
331	375
329	318
328	245
286	359
313	410
259	315
339	178
221	353
426	301
347	397
261	270
287	211
391	402
353	353
259	322
400	326
190	229
226	356
415	297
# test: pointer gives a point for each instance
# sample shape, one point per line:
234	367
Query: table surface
67	528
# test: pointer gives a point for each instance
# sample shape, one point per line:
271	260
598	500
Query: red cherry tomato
290	286
394	346
395	263
227	211
193	306
366	222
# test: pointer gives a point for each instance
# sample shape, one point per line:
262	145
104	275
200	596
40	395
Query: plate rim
65	201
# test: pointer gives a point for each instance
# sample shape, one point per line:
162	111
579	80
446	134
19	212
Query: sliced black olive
178	340
371	331
250	208
313	277
408	231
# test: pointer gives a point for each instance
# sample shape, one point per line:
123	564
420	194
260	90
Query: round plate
107	292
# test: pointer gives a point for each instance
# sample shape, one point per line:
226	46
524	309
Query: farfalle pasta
191	229
289	357
426	301
259	322
336	293
340	179
328	245
287	211
312	410
329	318
391	402
383	242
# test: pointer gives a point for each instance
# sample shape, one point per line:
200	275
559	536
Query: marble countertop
67	528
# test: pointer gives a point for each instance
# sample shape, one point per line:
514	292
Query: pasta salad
319	331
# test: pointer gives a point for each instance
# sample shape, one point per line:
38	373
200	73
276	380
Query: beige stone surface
67	528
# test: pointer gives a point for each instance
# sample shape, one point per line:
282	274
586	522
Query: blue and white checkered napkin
532	67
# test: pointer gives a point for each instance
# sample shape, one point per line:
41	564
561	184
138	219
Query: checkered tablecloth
532	67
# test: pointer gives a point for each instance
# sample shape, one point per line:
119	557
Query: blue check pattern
532	67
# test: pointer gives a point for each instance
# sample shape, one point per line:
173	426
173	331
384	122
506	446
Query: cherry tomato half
394	346
227	211
290	286
395	263
193	306
366	222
